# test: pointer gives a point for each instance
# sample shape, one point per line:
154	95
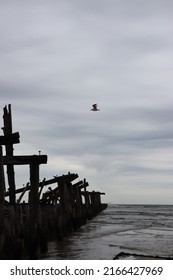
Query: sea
132	229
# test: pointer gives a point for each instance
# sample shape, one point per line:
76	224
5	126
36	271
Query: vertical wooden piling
2	189
87	203
9	152
33	209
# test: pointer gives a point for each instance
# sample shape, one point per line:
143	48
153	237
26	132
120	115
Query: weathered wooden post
79	206
97	202
6	140
2	189
33	161
87	200
41	185
9	152
65	193
34	184
33	208
65	207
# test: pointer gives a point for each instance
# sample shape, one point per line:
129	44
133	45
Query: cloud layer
60	57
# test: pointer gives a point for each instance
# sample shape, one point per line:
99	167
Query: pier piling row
54	208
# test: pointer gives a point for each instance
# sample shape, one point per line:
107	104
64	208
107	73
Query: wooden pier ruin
54	207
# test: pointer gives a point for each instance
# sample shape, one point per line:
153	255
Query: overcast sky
58	57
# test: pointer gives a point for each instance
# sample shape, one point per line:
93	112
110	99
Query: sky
58	57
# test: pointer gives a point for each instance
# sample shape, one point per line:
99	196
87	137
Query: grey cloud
60	57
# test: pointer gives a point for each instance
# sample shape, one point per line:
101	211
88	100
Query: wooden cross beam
78	183
12	138
94	192
24	160
69	177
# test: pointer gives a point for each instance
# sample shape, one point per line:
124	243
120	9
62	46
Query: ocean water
134	229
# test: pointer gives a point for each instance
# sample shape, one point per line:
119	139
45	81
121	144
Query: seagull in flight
94	108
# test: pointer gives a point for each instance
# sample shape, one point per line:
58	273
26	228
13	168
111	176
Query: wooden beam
68	178
84	185
78	183
12	138
24	160
95	192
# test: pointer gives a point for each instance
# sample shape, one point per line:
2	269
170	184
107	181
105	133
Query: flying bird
94	108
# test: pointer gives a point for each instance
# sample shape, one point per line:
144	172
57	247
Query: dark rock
130	256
